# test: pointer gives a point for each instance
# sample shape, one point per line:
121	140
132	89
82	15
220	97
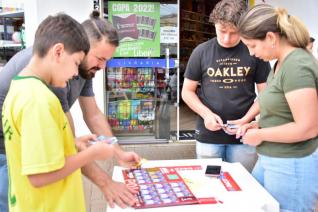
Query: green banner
138	26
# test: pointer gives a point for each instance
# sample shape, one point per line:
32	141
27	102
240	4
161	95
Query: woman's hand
249	134
243	128
252	137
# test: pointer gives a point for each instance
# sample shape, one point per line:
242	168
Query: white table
252	198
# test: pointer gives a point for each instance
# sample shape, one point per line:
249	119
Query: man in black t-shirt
227	75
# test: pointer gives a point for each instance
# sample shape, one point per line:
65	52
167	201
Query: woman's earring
273	45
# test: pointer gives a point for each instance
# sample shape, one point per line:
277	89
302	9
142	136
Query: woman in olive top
286	134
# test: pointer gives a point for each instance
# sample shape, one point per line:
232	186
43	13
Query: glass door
141	89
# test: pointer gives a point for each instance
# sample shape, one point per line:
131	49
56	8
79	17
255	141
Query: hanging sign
138	26
135	63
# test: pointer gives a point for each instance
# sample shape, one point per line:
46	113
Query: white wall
37	10
98	87
305	10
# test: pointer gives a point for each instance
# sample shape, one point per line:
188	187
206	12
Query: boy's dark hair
98	29
228	11
60	28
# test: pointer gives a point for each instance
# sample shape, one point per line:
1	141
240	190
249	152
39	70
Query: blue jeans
291	181
3	184
242	153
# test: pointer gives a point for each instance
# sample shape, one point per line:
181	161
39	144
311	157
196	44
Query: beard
85	73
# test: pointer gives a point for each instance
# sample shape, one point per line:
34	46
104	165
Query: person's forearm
288	133
252	112
98	124
98	176
118	152
193	101
72	163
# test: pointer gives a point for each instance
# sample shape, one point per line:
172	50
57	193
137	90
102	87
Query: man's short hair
60	28
228	12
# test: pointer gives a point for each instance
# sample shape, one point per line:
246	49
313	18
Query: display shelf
13	14
132	116
205	23
195	29
196	22
11	21
132	95
187	40
11	45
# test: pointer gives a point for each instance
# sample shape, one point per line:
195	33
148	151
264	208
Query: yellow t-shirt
38	137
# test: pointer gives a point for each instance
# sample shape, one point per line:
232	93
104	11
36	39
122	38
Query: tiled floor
94	198
187	118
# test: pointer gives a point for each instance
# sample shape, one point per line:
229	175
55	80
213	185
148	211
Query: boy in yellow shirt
44	165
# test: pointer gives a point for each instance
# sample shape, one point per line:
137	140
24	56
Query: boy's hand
82	142
102	151
106	139
127	159
140	163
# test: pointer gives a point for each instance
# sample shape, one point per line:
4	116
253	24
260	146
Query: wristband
112	140
109	140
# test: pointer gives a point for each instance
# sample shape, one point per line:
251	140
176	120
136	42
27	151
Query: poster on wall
168	34
138	26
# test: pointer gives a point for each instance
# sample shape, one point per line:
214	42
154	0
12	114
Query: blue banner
135	63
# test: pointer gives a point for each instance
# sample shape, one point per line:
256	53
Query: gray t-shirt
67	96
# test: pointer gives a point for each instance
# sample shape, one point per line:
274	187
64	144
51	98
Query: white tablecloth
252	198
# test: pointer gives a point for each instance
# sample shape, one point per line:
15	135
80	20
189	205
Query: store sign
168	34
135	63
138	26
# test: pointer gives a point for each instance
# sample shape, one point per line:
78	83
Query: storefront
142	89
140	94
